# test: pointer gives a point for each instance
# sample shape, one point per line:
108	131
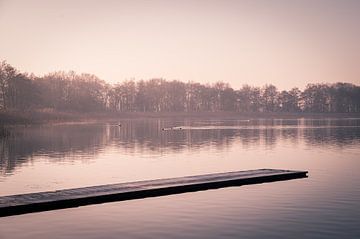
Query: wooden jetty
67	198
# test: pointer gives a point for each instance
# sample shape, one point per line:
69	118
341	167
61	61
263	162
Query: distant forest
69	91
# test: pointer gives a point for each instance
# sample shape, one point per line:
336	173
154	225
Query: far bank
41	117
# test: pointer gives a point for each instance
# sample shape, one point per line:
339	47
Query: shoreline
40	117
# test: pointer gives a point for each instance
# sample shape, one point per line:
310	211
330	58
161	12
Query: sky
282	42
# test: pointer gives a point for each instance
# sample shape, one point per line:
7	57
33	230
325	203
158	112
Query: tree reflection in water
81	141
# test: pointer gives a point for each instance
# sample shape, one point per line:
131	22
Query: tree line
69	91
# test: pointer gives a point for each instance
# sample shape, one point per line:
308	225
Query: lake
59	156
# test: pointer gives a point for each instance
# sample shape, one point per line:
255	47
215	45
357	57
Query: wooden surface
43	201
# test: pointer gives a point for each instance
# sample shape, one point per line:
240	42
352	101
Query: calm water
325	205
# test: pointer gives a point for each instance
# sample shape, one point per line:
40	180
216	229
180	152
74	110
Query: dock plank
67	198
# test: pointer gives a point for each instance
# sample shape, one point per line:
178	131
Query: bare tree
85	92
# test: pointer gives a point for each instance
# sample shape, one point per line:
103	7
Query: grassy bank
39	117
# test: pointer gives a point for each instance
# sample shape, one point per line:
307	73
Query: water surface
51	157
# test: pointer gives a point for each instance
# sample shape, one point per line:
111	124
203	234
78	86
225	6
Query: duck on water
172	128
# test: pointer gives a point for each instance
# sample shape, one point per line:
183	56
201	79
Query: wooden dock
44	201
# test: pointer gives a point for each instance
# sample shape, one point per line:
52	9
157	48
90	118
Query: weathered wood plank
43	201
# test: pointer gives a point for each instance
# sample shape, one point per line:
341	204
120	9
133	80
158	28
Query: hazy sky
283	42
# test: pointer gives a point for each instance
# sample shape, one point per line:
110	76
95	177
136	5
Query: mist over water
324	205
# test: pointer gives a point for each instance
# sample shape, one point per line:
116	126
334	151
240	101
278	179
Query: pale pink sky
283	42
